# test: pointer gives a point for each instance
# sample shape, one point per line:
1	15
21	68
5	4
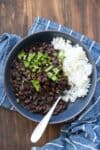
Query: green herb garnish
56	70
34	61
61	56
36	84
48	68
26	64
31	56
18	100
22	55
52	76
39	61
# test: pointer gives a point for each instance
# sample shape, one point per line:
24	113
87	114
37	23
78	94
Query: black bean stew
37	78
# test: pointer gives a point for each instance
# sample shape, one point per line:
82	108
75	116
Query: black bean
38	102
27	101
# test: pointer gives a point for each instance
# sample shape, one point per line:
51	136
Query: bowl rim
77	42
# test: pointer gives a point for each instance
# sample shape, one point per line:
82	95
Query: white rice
76	67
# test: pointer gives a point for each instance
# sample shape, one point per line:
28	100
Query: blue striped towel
83	133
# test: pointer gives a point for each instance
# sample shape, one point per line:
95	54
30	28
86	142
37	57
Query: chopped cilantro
21	55
31	56
26	64
52	76
61	56
40	61
36	84
48	68
56	70
18	100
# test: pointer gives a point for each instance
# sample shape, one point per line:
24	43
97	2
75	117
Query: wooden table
16	16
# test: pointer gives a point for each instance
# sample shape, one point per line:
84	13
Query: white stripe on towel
97	126
70	32
3	99
82	36
86	135
83	127
86	146
59	27
95	137
92	44
98	79
68	141
55	144
34	148
98	114
65	131
12	108
97	61
35	25
47	26
90	108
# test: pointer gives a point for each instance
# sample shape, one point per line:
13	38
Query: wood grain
16	16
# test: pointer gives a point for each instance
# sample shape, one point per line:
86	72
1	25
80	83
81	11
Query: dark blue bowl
73	109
